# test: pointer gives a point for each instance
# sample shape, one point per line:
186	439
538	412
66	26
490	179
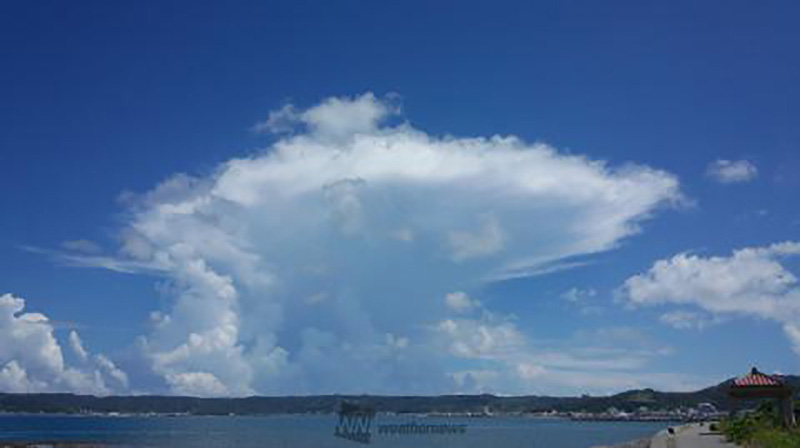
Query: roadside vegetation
760	429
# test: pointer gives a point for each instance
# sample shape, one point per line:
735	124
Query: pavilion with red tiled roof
761	385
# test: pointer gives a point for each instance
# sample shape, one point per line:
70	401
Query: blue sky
693	108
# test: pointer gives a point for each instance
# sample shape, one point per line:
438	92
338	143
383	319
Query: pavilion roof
758	379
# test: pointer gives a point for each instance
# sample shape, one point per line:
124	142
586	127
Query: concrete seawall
693	435
640	443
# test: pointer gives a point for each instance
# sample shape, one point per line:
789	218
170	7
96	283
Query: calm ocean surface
314	431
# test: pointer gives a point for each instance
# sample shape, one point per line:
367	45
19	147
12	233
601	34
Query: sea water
315	431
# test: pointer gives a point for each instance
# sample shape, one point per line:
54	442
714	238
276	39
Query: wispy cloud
121	264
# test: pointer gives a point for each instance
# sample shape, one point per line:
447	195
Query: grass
760	429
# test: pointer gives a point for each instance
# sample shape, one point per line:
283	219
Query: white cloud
604	361
14	378
196	384
750	282
534	268
687	320
481	339
279	121
610	382
382	220
334	117
460	302
85	246
31	359
76	345
792	331
488	240
577	295
731	171
584	300
109	368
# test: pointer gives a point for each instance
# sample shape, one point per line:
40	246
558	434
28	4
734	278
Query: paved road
695	435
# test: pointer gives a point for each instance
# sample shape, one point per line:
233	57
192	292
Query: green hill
626	401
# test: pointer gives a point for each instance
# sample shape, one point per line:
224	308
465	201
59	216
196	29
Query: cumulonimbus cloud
319	264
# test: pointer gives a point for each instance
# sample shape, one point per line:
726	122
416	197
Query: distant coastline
634	405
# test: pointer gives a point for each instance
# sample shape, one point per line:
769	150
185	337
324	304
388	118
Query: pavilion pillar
786	405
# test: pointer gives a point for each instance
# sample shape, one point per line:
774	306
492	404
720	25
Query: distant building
707	408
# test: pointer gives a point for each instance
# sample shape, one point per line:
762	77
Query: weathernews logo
355	424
